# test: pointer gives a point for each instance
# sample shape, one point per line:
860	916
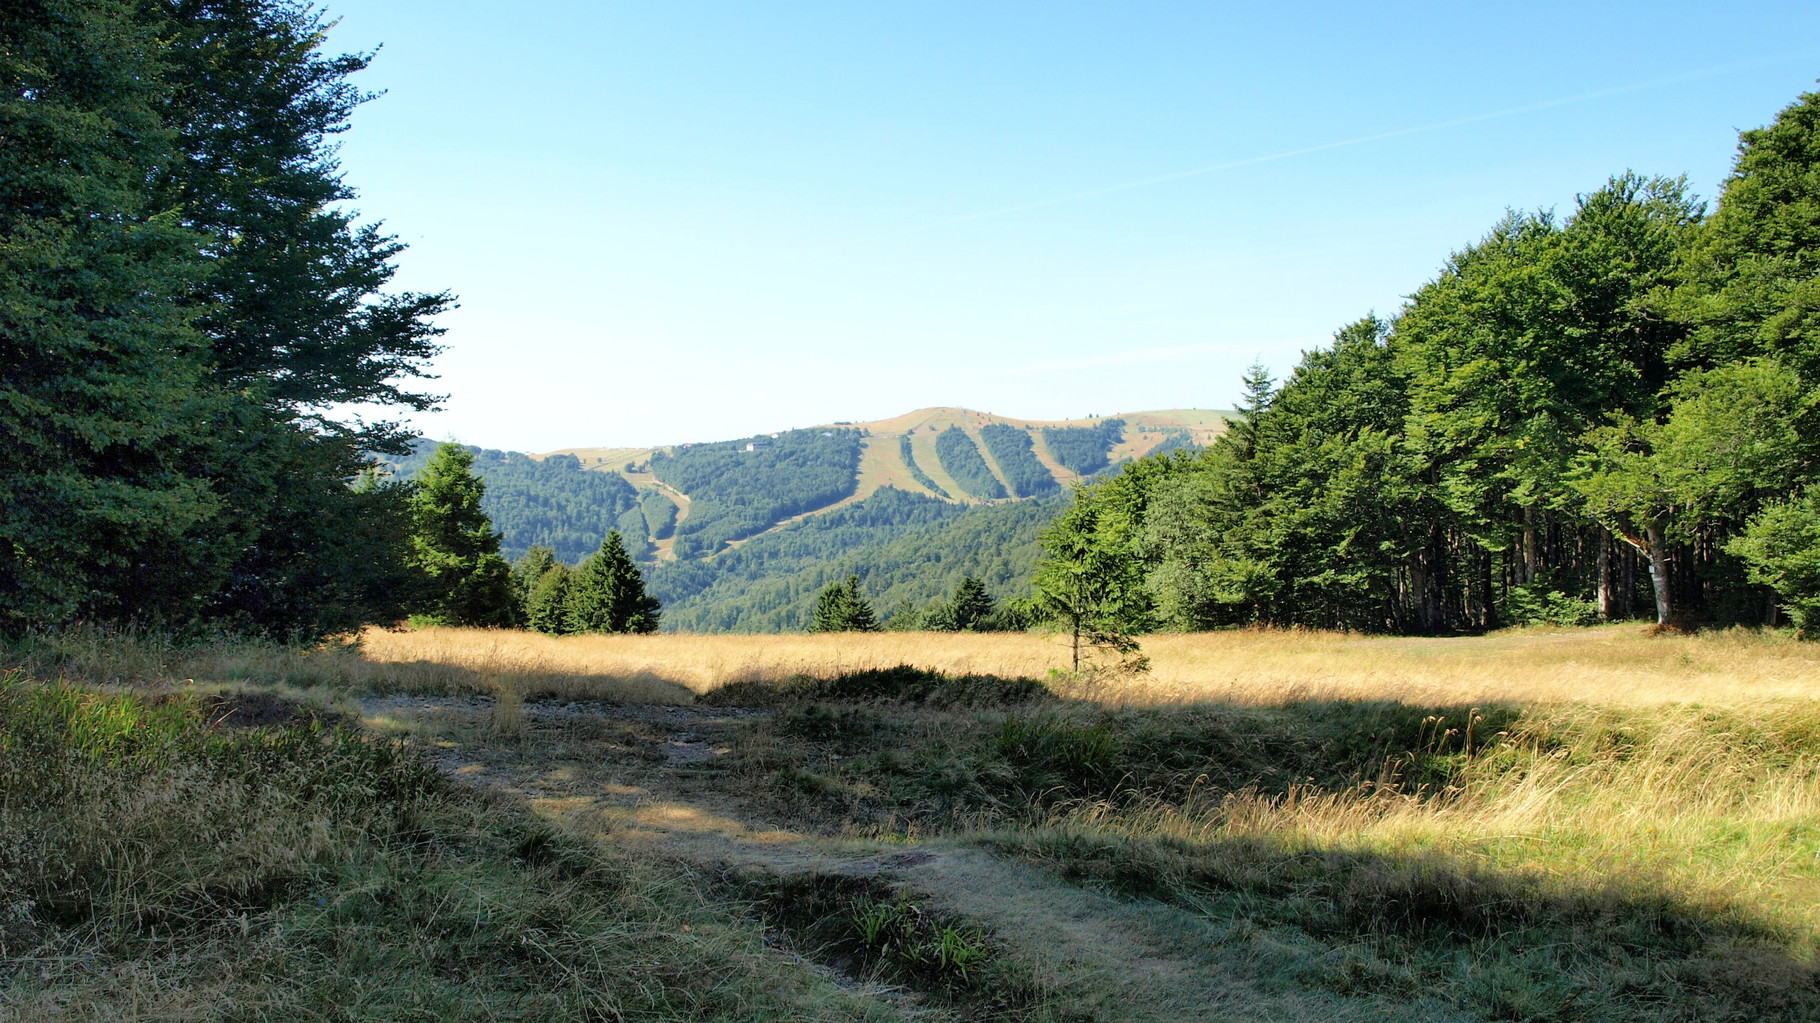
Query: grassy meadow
1588	824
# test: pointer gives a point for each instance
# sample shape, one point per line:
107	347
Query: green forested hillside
962	460
551	501
916	471
678	517
1083	449
904	547
739	488
1012	449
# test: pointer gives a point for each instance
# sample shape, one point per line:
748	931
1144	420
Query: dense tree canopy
1606	414
841	607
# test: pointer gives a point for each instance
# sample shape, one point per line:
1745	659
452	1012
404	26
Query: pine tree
608	594
454	545
840	608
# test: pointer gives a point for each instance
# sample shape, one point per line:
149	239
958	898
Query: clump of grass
901	684
508	717
864	928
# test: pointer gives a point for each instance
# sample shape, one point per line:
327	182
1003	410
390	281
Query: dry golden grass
1613	666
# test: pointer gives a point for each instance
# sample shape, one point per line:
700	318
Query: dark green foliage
1514	447
546	606
916	471
295	307
902	684
1781	546
607	593
842	608
961	459
660	515
735	493
528	570
1012	449
1084	449
167	452
971	609
1752	275
551	501
105	404
453	544
1089	580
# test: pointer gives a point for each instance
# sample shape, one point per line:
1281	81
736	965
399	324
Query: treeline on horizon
1602	415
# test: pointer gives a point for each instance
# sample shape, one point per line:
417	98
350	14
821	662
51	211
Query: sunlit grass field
1589	824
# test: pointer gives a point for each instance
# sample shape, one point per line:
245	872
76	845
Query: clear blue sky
676	221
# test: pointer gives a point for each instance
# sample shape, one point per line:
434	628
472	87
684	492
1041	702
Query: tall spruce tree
105	401
607	593
972	609
454	545
295	308
168	453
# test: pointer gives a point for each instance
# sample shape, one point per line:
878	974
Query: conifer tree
607	593
972	608
104	404
454	545
840	608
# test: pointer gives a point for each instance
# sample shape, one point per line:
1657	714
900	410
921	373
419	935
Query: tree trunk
1606	597
1526	568
1658	573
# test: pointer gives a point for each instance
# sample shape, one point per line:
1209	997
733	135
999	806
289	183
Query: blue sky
689	221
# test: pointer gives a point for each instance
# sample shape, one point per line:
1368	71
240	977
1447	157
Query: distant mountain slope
903	453
740	535
547	500
904	547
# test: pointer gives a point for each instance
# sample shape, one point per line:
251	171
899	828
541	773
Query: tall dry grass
1614	666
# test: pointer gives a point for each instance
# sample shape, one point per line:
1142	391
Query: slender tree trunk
1627	582
1526	569
1606	597
1658	573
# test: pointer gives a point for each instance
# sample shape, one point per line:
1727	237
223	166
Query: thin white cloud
1654	83
1133	357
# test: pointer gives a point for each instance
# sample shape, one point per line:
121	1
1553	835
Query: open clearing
1544	825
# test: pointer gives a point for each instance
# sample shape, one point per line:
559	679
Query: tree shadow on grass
1495	943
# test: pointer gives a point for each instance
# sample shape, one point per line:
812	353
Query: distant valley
738	535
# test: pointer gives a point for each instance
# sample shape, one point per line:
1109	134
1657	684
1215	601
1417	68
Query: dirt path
655	777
